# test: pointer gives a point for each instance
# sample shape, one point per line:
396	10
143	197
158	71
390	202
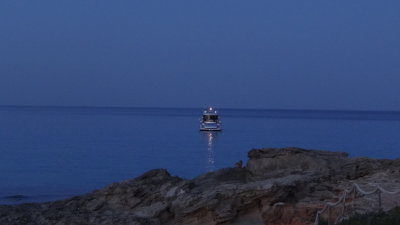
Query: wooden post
380	199
354	200
344	206
329	215
317	219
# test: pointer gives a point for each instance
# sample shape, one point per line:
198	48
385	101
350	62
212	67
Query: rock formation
276	187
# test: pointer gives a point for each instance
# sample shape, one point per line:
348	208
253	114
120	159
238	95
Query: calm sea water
55	152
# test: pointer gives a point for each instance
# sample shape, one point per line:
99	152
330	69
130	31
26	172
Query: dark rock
277	186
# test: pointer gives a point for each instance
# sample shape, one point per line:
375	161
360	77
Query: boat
210	120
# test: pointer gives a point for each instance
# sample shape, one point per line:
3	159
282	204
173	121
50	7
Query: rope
354	189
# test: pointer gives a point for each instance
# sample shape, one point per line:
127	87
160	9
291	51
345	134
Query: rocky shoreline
277	186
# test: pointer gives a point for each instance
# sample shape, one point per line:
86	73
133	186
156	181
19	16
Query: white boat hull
210	127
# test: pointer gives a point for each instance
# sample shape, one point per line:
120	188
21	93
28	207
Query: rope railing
354	189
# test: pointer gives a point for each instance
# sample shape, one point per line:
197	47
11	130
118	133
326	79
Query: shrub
391	217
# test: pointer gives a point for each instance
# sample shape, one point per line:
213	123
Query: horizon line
201	108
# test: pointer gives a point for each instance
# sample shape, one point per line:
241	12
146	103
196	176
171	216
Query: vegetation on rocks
391	217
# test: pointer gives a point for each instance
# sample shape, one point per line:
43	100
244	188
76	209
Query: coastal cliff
277	186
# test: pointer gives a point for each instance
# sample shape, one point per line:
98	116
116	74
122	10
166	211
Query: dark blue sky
286	54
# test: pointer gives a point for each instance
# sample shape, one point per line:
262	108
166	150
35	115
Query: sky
268	54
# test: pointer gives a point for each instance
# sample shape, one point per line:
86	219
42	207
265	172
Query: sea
51	153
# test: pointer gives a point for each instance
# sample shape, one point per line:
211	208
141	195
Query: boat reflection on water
211	138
